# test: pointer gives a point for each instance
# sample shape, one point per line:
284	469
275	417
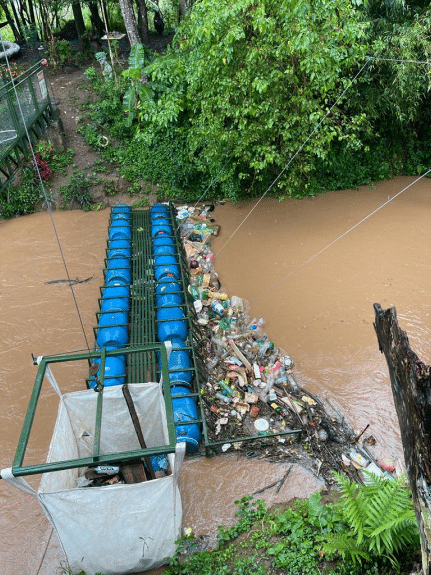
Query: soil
69	90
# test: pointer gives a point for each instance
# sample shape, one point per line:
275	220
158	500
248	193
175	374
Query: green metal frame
18	469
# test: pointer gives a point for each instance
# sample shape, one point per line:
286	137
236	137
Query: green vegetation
22	197
361	534
231	104
76	192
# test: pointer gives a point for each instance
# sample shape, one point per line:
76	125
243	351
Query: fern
380	518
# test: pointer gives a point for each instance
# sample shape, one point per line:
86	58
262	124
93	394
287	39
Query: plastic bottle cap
261	424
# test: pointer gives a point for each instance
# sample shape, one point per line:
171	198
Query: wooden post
411	388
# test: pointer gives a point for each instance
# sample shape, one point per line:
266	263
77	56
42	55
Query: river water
316	300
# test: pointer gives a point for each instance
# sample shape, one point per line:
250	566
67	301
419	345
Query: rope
46	198
278	282
46	549
396	60
294	155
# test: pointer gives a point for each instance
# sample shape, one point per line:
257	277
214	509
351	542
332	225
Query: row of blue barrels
172	325
112	329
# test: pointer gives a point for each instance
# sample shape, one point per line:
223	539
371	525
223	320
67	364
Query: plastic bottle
357	458
217	307
292	383
287	361
263	350
215	280
226	389
279	410
213	362
281	377
222	397
107	469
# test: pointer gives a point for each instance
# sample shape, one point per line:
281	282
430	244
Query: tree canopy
249	79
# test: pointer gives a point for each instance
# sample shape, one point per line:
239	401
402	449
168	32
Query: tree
15	29
129	21
411	385
143	21
250	79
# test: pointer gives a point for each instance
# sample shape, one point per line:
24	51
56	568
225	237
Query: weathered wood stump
411	388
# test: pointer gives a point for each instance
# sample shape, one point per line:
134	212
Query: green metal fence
18	467
25	113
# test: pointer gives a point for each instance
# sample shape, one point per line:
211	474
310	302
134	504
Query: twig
362	432
266	487
282	480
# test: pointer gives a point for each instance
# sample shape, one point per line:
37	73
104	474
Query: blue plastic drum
185	409
113	336
157	231
123	232
168	293
114	304
157	208
109	318
119	248
166	266
178	363
173	324
117	275
117	292
164	250
115	371
120	217
163	240
118	263
121	208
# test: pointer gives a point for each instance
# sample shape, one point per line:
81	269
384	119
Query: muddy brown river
321	315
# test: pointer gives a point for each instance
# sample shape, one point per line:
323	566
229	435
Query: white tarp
113	529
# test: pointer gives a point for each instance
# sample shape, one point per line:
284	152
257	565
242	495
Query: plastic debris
251	388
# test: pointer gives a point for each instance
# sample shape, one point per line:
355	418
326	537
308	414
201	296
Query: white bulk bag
116	529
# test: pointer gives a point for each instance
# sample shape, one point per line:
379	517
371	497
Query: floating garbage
252	390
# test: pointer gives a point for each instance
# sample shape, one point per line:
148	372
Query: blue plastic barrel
114	304
116	263
113	318
118	223
164	250
121	208
157	231
117	275
120	233
119	251
160	216
115	371
113	336
120	217
158	208
179	359
163	240
174	326
185	409
116	292
168	293
166	266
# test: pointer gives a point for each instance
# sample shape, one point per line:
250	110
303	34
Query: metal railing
25	113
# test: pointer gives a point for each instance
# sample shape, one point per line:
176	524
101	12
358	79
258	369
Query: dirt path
69	90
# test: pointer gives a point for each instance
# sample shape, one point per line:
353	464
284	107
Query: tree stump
411	388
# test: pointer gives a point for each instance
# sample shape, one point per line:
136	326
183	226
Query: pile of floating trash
251	389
